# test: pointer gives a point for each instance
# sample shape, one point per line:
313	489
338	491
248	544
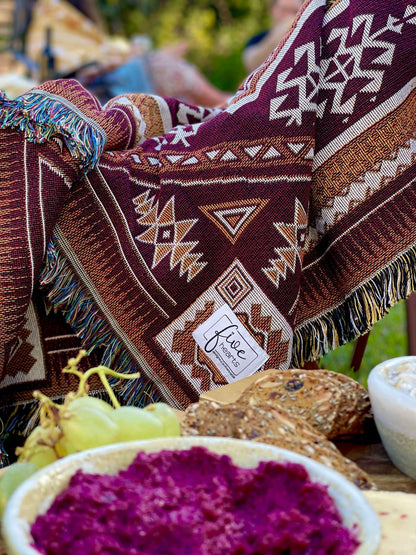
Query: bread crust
272	424
334	404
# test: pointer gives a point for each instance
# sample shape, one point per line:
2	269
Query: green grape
42	455
37	436
87	427
135	423
11	478
88	401
38	448
64	448
167	416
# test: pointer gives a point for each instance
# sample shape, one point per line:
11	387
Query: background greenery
388	339
216	32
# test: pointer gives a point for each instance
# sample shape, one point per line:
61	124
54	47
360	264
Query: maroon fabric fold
292	205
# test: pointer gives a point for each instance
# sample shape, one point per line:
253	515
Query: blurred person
113	65
259	47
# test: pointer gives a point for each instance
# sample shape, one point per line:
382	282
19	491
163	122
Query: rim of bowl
375	375
367	520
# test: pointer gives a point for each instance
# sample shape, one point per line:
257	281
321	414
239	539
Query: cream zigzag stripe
339	238
238	179
370	182
363	124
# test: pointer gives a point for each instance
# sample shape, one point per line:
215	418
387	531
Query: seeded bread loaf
333	403
271	424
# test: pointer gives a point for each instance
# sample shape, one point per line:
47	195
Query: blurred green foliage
388	339
216	31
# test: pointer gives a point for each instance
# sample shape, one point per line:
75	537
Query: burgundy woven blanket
290	212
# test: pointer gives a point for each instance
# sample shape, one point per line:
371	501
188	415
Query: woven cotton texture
295	204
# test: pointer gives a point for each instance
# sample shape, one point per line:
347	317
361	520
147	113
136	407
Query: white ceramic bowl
394	415
36	494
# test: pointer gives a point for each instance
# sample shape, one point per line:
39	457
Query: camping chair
14	32
130	77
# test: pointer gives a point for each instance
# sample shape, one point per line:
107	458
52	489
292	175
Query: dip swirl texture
194	502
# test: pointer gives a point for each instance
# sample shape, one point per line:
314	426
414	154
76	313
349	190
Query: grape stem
102	371
49	431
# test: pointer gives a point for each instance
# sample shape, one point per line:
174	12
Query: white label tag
229	345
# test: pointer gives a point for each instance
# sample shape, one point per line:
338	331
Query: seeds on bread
270	424
333	403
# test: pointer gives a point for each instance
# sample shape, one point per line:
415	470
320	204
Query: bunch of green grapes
82	422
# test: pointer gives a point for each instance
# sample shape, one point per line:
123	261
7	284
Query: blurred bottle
47	59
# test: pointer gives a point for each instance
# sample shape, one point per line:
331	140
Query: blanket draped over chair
295	205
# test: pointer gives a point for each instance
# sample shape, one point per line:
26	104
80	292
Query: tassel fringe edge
41	115
79	310
357	314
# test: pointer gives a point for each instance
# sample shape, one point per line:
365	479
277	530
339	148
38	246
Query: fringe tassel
40	115
359	312
17	421
78	308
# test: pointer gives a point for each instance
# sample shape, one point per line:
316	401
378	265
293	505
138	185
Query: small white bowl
394	415
36	494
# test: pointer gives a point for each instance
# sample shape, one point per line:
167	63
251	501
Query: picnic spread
394	496
287	215
254	398
291	205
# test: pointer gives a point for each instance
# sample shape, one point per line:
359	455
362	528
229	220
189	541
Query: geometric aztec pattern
166	234
295	236
261	318
358	58
232	218
368	183
269	151
27	349
235	190
234	286
303	77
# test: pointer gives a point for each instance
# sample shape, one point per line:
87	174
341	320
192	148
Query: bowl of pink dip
193	495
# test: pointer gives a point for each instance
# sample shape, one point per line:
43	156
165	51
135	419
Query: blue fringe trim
40	115
4	457
68	295
359	312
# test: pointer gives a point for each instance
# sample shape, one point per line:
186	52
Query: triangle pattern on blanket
166	234
233	217
295	235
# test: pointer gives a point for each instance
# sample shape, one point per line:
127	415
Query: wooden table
371	456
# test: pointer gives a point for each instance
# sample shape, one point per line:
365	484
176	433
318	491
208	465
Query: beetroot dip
194	502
